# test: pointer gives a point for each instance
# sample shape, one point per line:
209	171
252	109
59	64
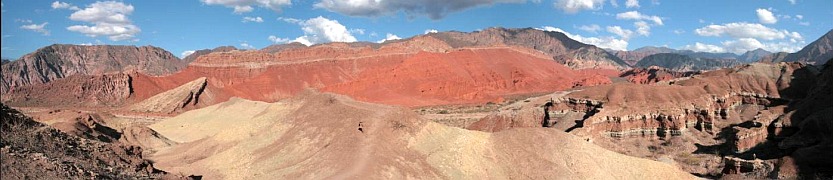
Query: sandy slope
316	136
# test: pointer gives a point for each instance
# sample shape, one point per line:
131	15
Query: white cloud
186	53
590	28
679	31
614	3
64	5
635	15
41	28
602	42
700	47
357	31
109	18
804	23
434	9
321	30
799	17
642	28
389	37
247	46
427	31
244	6
252	19
792	2
277	40
632	3
747	44
574	6
747	30
766	16
619	31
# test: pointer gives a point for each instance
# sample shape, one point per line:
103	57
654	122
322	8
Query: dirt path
363	155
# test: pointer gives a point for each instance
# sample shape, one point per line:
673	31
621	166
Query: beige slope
173	100
316	136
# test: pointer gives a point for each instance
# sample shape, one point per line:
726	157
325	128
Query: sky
182	26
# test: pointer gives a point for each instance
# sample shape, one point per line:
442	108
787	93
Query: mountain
632	57
679	62
59	61
198	53
817	52
280	47
708	55
561	48
753	56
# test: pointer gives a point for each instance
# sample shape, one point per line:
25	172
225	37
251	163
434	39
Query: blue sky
184	25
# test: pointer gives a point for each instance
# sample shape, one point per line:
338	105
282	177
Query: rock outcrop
178	99
193	57
59	61
33	150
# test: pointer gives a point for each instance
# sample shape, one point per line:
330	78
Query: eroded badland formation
492	104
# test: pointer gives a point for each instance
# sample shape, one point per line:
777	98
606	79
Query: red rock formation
59	61
76	90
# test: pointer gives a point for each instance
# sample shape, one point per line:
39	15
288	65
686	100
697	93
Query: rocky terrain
31	150
753	56
331	136
59	61
447	105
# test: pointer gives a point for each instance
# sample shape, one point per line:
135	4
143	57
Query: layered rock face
415	72
183	97
567	51
193	57
76	90
679	62
60	61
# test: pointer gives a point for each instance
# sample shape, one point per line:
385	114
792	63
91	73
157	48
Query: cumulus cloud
433	9
602	42
765	16
635	15
244	6
257	19
41	28
389	37
642	28
428	31
619	31
321	30
747	30
277	40
700	47
632	3
108	18
590	28
64	5
574	6
186	53
247	46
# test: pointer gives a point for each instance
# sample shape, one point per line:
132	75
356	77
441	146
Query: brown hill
315	136
198	53
58	61
817	52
